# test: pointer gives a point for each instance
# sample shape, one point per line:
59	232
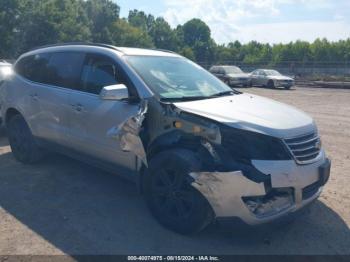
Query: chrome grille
304	148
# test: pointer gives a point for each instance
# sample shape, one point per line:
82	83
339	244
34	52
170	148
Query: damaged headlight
246	145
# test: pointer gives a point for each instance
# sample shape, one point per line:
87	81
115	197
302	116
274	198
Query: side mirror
114	92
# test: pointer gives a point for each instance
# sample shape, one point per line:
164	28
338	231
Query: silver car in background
231	75
271	79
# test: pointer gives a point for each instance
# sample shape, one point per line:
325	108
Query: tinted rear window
33	67
59	69
64	69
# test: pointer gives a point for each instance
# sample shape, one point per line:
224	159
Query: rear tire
22	142
173	201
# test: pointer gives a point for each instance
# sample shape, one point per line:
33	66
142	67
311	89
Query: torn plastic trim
128	133
276	201
224	191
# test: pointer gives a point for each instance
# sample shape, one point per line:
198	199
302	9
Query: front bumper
292	187
239	81
284	83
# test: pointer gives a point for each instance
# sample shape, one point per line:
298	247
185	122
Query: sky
267	21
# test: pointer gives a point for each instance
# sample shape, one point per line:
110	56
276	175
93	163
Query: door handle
78	107
34	96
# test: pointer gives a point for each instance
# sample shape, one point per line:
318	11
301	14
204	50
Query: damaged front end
229	178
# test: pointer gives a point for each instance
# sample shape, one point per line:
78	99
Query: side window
34	67
98	71
221	71
64	69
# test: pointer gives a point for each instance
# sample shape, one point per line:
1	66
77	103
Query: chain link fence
299	70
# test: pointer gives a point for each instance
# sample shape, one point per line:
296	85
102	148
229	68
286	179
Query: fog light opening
276	201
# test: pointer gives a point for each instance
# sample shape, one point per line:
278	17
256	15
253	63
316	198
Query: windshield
272	73
177	78
232	70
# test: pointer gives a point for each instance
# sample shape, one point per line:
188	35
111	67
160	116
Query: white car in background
271	79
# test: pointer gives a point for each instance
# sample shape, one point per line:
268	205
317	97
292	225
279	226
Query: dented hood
254	113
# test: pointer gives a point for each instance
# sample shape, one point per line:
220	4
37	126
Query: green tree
101	15
53	21
195	31
10	13
163	36
123	34
197	35
141	20
188	52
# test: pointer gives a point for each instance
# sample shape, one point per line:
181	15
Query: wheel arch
171	141
10	113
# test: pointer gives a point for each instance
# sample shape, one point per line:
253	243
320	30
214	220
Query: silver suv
197	149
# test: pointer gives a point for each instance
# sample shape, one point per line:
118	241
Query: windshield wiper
225	93
184	98
193	98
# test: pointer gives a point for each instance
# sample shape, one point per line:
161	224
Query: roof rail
162	50
78	43
96	44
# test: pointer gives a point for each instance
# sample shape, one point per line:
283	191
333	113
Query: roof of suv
120	50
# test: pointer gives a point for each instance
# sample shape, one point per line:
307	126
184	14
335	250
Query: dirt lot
62	206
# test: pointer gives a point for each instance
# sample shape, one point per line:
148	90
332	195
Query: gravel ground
62	206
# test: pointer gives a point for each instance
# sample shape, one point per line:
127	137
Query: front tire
227	82
271	84
22	142
173	201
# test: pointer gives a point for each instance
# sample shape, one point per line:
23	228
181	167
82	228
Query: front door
91	117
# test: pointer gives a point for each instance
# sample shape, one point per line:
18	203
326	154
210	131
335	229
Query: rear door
49	78
255	77
91	118
61	76
260	78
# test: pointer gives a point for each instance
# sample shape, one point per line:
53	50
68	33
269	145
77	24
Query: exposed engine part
211	150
